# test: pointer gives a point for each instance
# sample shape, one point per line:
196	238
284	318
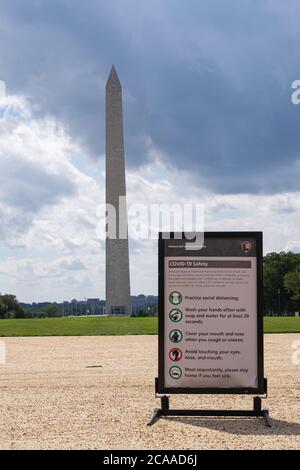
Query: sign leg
266	418
163	411
155	417
164	405
257	406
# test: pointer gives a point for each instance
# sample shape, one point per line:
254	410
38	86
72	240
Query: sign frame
160	387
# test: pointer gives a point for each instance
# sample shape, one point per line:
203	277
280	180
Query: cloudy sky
208	119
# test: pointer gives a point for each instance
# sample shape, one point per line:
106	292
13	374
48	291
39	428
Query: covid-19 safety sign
210	314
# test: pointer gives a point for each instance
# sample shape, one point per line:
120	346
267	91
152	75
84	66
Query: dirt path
51	399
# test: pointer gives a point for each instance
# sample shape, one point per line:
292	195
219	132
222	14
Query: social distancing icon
175	297
175	336
175	354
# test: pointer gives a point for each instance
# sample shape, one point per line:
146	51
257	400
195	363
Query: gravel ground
97	393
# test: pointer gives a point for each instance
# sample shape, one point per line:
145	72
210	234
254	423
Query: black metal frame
262	382
256	412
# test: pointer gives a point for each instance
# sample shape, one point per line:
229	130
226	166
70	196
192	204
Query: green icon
175	336
175	315
175	372
175	297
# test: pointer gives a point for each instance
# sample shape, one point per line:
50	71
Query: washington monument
117	255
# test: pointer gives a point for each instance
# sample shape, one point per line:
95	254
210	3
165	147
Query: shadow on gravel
244	426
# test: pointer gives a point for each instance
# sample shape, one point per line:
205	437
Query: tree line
281	283
281	287
10	308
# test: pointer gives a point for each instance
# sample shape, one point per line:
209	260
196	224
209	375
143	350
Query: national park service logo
246	247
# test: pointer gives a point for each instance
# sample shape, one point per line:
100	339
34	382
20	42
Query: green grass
85	326
282	324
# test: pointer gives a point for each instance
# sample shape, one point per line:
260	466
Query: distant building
93	306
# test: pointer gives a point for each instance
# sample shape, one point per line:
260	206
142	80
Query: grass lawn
282	324
86	326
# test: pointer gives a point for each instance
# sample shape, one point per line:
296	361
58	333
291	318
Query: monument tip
113	79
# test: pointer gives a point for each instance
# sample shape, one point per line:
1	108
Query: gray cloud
208	84
27	186
12	227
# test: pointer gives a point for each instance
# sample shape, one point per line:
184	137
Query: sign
210	314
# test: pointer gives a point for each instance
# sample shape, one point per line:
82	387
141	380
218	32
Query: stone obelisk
117	254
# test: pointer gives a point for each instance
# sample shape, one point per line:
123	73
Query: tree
9	307
276	266
2	308
19	313
28	313
292	285
52	310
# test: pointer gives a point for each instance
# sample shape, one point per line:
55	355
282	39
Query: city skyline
94	306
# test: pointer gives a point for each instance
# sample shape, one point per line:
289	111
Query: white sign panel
210	318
